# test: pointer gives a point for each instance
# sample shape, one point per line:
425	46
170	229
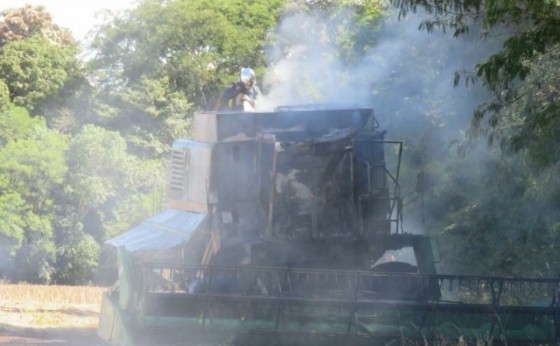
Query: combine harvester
276	227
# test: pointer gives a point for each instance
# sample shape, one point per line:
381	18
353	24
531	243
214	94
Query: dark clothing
231	97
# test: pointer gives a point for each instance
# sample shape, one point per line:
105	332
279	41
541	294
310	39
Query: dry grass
41	306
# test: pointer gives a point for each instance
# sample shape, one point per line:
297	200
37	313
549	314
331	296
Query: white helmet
248	76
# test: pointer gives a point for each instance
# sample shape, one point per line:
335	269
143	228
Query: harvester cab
274	228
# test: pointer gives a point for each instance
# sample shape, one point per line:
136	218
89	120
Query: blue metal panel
167	230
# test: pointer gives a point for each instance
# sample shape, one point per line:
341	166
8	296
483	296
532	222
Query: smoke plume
407	76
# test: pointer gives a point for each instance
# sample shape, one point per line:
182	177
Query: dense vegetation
83	142
502	217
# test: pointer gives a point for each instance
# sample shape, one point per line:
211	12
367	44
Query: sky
80	16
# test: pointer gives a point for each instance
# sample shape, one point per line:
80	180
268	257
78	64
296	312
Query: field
53	315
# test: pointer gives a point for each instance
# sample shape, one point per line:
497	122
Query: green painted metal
125	284
114	315
114	325
367	319
332	306
386	323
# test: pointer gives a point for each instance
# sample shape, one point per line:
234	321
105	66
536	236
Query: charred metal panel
239	223
340	252
372	185
234	171
221	127
237	126
313	120
311	194
235	175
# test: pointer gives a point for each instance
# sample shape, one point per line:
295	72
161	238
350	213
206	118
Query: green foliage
104	187
525	117
32	168
77	261
347	26
34	261
523	76
150	116
96	158
34	69
71	107
354	34
501	225
509	223
4	96
41	69
165	59
15	123
101	173
58	199
12	225
318	50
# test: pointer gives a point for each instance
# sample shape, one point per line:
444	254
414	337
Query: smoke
306	66
406	75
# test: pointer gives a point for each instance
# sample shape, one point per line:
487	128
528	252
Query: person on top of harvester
240	95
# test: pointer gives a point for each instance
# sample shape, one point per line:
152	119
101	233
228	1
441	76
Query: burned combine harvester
275	227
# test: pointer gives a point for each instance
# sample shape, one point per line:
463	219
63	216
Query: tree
490	222
4	95
34	69
39	64
523	76
102	175
106	190
503	215
32	167
315	52
27	21
349	25
77	261
165	59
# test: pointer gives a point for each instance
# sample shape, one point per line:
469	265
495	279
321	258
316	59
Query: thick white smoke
305	65
406	75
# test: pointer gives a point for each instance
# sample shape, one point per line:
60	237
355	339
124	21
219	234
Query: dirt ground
10	335
49	315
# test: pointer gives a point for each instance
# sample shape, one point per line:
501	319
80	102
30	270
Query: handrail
323	283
